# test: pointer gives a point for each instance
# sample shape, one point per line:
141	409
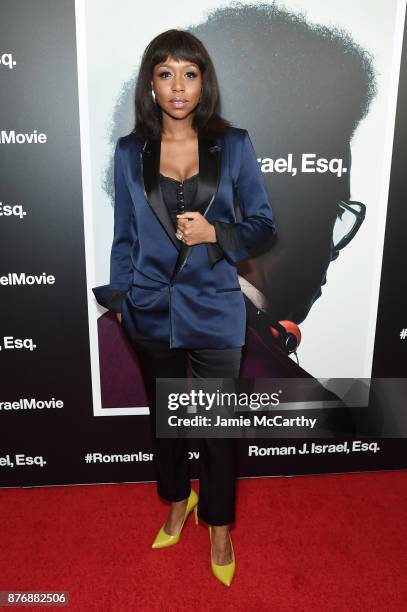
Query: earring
153	94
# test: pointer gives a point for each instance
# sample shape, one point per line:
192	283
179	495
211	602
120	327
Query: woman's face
177	87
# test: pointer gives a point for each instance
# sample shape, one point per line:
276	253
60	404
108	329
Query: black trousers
217	456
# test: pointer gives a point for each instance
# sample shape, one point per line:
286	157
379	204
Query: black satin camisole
178	195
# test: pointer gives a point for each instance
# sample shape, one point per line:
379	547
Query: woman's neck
178	129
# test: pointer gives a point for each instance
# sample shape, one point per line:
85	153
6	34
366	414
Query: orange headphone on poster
284	333
287	334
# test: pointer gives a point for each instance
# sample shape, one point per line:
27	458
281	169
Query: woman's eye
192	74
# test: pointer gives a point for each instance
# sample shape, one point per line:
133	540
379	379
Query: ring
179	234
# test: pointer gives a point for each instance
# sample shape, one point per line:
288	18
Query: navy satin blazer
166	290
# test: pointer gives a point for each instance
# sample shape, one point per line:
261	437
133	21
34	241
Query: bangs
178	46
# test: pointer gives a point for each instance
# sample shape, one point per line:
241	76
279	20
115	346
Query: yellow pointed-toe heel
163	539
224	573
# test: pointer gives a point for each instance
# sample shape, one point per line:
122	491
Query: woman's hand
119	316
196	231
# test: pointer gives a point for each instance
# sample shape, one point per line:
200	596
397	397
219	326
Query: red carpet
331	543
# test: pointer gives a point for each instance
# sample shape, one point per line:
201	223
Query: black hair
179	45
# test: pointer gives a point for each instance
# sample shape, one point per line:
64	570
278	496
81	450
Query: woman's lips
178	103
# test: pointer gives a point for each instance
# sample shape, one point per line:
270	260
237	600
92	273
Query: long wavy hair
180	45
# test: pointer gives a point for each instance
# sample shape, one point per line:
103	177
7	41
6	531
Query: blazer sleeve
235	240
121	270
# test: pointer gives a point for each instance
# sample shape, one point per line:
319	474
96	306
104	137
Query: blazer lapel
209	174
150	175
207	186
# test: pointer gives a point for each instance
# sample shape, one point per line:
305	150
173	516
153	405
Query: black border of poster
41	94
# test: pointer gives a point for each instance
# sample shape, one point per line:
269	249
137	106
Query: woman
173	279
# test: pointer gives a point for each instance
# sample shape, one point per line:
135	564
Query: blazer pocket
144	297
145	287
228	289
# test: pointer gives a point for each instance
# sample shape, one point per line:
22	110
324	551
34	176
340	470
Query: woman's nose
177	84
